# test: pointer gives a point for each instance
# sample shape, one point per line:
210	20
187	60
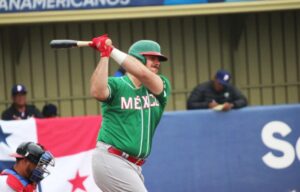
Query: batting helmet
146	47
36	154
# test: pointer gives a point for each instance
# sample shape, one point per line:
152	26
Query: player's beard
155	68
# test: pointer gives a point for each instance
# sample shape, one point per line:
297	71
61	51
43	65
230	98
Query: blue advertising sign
251	149
47	5
10	6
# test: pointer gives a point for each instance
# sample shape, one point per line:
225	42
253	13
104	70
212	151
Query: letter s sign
288	157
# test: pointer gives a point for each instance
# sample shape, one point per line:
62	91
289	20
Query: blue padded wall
211	151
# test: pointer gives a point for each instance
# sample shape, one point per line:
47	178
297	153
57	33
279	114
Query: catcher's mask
36	154
146	47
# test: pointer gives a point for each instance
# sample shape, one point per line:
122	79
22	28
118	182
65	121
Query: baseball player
30	168
132	106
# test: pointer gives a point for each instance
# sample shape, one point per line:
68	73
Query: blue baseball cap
223	77
18	89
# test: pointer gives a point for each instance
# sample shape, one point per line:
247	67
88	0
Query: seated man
49	110
217	94
19	108
30	168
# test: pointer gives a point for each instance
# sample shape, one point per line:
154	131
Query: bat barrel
63	43
68	43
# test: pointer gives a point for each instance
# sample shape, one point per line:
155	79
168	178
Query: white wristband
118	56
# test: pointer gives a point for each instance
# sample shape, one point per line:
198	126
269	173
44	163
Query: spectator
49	110
217	94
19	108
29	170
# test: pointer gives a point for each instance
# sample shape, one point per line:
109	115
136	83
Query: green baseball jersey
131	115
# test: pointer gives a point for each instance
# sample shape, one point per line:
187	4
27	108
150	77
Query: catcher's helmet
30	151
36	154
146	47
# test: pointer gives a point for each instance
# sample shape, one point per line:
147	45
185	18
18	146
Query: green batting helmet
146	47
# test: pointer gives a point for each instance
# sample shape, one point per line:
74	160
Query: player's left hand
227	106
99	43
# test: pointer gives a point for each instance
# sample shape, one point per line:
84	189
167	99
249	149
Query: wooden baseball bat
68	43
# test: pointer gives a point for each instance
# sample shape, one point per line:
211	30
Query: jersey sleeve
6	116
163	97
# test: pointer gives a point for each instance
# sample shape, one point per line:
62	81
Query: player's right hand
212	104
99	43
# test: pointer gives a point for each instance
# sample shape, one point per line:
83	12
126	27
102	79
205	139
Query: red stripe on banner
68	136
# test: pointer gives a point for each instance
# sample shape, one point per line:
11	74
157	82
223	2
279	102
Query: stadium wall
251	149
260	49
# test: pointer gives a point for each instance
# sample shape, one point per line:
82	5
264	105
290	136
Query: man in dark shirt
19	108
217	94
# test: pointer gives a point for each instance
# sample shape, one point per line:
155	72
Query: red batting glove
99	43
106	52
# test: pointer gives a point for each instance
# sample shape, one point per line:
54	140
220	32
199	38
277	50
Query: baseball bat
68	43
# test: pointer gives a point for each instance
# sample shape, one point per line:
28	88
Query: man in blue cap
217	94
19	108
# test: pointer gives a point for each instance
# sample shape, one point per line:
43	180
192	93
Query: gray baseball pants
113	173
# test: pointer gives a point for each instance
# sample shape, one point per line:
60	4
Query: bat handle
83	43
108	42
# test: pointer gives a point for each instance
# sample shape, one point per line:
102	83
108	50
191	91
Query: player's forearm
197	105
197	101
151	80
133	66
240	103
99	80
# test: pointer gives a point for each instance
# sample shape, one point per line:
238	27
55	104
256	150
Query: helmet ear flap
41	171
138	56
